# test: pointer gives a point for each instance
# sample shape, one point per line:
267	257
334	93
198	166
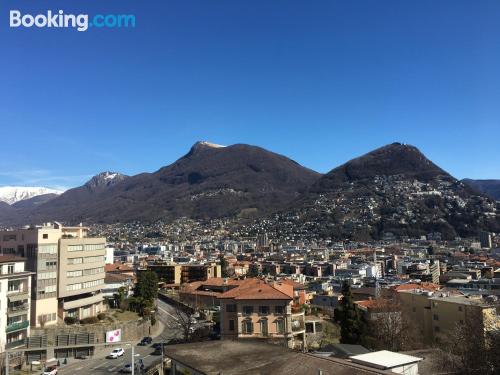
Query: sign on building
114	336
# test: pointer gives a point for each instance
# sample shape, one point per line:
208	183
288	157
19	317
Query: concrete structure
15	285
251	357
397	363
69	269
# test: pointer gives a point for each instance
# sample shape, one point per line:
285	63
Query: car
128	368
118	352
157	345
146	341
52	370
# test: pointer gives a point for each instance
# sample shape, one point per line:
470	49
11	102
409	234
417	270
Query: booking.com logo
80	22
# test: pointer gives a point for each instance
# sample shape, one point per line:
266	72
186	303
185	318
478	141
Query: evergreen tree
223	266
145	292
350	318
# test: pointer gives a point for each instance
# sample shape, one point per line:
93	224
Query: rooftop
7	258
252	357
385	359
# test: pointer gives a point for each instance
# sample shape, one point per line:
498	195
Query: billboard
114	336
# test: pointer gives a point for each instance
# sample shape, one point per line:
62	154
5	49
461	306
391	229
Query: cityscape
250	187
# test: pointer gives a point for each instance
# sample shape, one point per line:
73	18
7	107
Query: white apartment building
15	285
69	269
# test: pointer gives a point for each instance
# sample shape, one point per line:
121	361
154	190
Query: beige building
437	314
69	269
256	308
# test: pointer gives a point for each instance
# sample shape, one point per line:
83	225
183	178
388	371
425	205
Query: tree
350	318
185	318
389	328
223	266
146	287
145	292
253	271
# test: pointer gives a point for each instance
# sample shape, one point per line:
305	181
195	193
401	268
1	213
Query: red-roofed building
256	308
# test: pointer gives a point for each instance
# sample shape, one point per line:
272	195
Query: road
100	365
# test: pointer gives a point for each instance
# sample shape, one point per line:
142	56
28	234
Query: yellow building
437	314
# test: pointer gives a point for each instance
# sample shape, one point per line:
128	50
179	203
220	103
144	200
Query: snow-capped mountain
13	194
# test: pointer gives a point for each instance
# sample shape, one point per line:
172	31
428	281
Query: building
485	239
185	273
15	285
437	314
257	309
69	269
250	357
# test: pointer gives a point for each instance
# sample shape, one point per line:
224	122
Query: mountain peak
14	194
203	146
105	179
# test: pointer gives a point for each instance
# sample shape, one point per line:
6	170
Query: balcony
15	344
80	302
17	326
18	295
17	309
298	326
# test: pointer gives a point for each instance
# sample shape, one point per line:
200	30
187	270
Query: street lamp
132	365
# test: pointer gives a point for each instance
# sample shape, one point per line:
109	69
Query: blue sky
319	81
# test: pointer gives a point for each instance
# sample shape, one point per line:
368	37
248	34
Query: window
279	309
74	273
435	317
45	236
51	289
263	327
10	268
96	246
46	275
280	326
264	310
46	249
93	259
248	310
75	247
247	327
75	260
459	308
72	287
414	309
231	325
231	308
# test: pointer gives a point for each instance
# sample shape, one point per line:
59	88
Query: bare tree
390	328
185	319
471	350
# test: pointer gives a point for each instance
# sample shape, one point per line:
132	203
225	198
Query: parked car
128	368
157	345
52	370
118	352
146	341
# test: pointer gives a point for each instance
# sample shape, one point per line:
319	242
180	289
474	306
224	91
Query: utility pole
6	363
162	369
133	361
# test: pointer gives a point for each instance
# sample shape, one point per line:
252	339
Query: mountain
34	201
13	194
209	181
488	187
393	190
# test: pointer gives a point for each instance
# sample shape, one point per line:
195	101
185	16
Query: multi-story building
69	269
185	273
437	314
14	302
256	308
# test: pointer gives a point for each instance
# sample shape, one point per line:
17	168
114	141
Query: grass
125	316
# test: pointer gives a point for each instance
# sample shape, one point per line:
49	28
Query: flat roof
230	357
385	359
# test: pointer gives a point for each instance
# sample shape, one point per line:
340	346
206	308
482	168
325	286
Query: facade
437	314
259	309
185	273
69	269
15	285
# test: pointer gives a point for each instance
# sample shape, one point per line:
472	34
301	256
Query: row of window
86	285
87	247
247	327
46	275
263	310
47	249
85	260
87	272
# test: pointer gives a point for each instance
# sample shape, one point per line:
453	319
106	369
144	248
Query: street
99	364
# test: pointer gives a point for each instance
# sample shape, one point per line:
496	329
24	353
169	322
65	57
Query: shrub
69	320
90	320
